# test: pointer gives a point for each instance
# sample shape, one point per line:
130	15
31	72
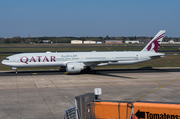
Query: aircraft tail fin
155	43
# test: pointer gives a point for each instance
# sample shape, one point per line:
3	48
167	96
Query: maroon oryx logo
156	43
73	68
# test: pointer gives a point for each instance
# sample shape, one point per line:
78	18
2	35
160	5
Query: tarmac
46	94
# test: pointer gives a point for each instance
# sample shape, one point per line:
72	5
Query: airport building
46	41
85	42
99	42
113	41
171	42
132	42
76	41
89	42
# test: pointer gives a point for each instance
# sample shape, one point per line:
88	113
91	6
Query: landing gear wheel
90	71
95	72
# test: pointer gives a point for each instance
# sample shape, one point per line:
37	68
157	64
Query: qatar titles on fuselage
75	62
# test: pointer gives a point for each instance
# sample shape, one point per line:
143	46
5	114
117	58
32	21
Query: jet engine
74	67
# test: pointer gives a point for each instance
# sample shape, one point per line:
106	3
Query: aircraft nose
3	62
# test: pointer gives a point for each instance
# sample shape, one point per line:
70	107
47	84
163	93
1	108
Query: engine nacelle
74	67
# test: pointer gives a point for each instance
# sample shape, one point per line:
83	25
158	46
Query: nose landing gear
15	69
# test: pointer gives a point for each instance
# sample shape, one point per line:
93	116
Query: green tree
166	39
8	41
107	38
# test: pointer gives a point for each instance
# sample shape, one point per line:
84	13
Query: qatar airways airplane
75	62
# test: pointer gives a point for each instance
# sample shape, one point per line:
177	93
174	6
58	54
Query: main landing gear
91	71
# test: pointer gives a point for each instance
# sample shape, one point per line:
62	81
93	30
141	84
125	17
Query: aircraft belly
123	62
129	62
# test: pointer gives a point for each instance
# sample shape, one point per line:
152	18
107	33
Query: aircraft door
17	60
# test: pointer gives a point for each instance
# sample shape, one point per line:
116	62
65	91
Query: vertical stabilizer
155	43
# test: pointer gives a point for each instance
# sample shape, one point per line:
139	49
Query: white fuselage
59	59
75	62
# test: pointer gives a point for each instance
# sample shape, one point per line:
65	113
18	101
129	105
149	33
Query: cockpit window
6	58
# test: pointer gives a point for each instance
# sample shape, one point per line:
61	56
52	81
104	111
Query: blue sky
89	17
